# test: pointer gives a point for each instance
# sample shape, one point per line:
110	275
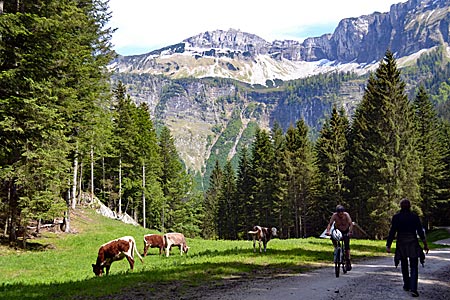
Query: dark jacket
407	226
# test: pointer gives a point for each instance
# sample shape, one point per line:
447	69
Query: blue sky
146	25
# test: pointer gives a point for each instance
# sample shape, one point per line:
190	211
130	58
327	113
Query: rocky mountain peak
357	44
231	39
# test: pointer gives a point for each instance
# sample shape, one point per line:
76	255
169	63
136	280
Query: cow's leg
145	250
265	245
168	250
260	250
107	269
131	262
254	244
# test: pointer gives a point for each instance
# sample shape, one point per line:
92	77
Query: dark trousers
410	273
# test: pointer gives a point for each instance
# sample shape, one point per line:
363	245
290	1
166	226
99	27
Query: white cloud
144	25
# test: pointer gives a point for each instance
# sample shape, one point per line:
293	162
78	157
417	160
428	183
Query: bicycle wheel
337	261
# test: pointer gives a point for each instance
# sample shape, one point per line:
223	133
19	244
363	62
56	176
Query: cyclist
343	222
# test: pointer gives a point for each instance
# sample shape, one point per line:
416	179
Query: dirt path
375	278
370	279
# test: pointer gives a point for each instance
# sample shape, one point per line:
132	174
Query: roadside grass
58	266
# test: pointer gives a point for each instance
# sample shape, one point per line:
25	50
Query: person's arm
350	228
329	225
391	235
421	233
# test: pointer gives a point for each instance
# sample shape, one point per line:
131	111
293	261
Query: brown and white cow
262	234
115	250
175	239
153	241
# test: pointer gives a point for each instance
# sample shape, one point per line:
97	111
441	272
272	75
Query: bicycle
339	256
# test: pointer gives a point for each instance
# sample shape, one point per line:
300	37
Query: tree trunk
67	214
92	174
80	182
120	186
74	185
143	195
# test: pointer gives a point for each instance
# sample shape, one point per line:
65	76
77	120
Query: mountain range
213	89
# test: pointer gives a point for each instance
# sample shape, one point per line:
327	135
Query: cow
153	241
175	239
115	250
262	234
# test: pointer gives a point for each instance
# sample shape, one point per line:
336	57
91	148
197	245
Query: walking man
407	226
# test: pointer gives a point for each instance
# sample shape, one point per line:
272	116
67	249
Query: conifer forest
66	132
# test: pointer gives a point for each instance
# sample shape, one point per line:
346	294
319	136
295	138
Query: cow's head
98	270
185	248
274	231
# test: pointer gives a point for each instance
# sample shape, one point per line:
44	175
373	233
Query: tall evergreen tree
210	205
150	162
263	160
54	57
384	161
332	151
442	211
244	188
430	153
177	188
125	132
279	169
227	213
300	178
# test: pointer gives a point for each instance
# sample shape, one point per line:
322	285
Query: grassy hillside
59	266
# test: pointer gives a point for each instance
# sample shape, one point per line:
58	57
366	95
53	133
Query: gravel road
369	279
375	278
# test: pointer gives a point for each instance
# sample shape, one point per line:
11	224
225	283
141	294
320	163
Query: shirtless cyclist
343	222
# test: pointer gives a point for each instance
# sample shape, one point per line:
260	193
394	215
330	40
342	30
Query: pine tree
210	228
384	166
430	153
279	170
150	162
244	188
227	213
442	211
263	160
300	177
53	67
332	151
177	188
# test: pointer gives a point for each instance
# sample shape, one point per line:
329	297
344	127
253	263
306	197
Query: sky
146	25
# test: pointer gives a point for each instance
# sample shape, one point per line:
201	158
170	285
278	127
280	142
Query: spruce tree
280	183
210	228
244	187
263	160
227	213
150	162
384	165
332	151
430	153
300	181
53	68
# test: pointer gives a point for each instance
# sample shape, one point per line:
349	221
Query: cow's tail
253	232
137	252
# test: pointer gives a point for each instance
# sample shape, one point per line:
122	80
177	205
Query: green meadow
58	265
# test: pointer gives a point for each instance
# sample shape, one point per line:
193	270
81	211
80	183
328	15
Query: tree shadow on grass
29	245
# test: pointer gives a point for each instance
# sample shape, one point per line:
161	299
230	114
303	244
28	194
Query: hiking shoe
406	289
415	293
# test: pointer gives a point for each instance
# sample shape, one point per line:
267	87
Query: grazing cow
175	239
153	241
115	250
262	234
